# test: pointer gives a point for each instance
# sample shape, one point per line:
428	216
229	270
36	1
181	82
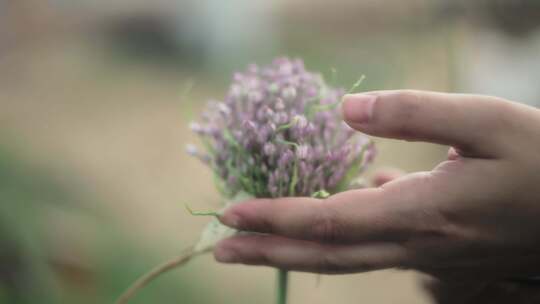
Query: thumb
471	123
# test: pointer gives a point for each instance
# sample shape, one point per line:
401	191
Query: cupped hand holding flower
476	215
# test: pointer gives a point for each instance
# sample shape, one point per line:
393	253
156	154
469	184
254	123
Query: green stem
202	213
282	278
141	282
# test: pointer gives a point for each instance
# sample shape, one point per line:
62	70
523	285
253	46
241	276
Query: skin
475	217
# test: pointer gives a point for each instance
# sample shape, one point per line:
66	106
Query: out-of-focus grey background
93	124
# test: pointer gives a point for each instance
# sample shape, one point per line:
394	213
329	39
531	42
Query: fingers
308	256
390	214
450	119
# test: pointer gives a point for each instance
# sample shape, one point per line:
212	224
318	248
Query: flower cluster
278	133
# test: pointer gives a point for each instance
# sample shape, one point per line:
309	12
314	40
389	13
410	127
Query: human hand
477	214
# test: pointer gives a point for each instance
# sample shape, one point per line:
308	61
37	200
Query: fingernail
231	219
358	108
225	255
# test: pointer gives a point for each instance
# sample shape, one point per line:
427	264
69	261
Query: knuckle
499	116
409	100
327	226
262	225
267	220
259	252
408	95
503	118
405	106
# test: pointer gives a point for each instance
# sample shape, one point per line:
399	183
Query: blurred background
94	115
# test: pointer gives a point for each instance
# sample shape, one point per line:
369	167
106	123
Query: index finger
459	120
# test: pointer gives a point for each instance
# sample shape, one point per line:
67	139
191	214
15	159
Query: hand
477	214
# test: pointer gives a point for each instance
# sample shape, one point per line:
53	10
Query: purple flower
279	133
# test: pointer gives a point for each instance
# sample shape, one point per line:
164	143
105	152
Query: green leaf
202	213
313	109
321	194
357	84
290	143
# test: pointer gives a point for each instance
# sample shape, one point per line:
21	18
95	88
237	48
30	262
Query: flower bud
300	121
238	77
235	92
269	149
285	159
289	93
252	83
280	105
223	109
264	133
192	150
281	118
285	68
303	152
311	92
255	97
196	128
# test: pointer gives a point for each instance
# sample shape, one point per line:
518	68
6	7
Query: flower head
278	133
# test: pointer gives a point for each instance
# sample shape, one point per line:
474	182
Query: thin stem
202	213
282	286
356	84
175	262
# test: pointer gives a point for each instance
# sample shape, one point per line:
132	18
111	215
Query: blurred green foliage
31	271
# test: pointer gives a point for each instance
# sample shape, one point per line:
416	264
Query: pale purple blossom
302	151
269	149
278	133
